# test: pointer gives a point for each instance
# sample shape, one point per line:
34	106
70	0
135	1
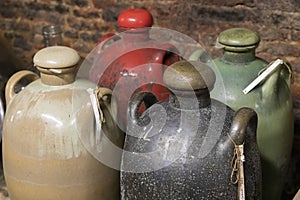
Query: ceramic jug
44	156
131	61
271	99
185	147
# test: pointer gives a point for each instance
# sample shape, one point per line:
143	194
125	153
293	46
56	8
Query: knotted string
95	95
237	173
100	96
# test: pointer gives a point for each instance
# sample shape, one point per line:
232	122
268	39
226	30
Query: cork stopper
135	18
238	39
57	64
189	76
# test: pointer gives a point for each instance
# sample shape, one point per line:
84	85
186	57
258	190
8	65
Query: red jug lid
135	18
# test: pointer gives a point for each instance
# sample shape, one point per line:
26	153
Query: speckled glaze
43	153
272	100
192	151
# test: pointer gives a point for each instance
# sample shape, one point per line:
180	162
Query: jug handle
135	103
97	95
103	92
171	54
196	55
239	124
287	73
237	135
14	79
102	95
106	41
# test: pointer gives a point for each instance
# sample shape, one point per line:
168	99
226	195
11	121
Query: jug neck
58	77
136	35
52	35
243	56
190	101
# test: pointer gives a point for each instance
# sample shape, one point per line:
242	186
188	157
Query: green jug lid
189	76
238	37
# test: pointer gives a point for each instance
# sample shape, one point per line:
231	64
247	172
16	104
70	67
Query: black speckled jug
191	146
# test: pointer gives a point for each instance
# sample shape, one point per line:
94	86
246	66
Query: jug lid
239	37
135	18
56	57
189	76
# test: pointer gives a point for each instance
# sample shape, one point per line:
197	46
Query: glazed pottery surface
182	148
132	61
44	155
271	99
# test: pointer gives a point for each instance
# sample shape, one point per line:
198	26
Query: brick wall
84	21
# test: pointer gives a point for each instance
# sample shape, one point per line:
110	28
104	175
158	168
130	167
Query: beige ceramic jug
44	155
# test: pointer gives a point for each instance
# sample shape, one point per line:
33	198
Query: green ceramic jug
271	99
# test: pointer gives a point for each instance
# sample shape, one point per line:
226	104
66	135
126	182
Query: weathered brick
81	3
206	14
295	35
21	42
74	23
11	10
274	33
8	35
87	13
228	3
86	37
42	15
7	24
109	15
281	48
23	26
62	9
71	34
81	46
289	5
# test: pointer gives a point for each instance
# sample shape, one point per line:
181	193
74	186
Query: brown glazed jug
44	155
190	146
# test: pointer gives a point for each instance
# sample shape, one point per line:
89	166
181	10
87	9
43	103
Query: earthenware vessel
131	61
185	147
45	126
271	99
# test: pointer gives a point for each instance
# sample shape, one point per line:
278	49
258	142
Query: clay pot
44	155
131	61
271	99
185	147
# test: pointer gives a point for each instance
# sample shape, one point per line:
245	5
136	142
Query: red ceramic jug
131	61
